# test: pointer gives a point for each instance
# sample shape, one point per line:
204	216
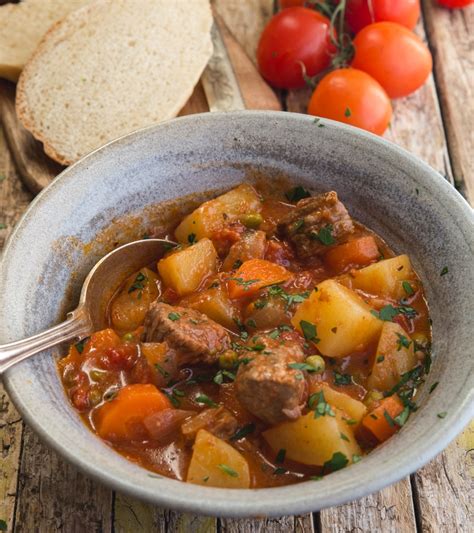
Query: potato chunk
215	463
214	214
384	278
395	355
354	409
184	271
128	310
343	321
313	441
216	304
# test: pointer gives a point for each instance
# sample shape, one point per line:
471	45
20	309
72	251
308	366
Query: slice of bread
112	67
22	27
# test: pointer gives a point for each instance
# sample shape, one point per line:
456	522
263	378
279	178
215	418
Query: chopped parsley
444	271
412	375
443	414
228	470
380	358
204	399
318	403
297	193
237	264
280	455
344	437
350	421
388	312
324	235
260	304
433	387
192	238
162	371
243	431
309	331
80	345
403	416
251	323
205	479
221	374
408	288
342	379
337	461
402	342
279	471
138	284
290	299
302	366
245	283
316	478
347	112
297	225
389	419
356	458
174	316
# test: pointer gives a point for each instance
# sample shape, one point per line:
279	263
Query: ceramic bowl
386	188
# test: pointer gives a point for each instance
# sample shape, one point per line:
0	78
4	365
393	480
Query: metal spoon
99	286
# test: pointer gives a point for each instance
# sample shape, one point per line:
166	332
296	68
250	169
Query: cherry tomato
294	36
454	4
361	13
394	56
291	3
352	96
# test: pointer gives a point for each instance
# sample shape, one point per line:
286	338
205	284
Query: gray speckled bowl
394	193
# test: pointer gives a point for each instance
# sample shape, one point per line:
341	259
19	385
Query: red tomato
291	3
394	56
453	4
352	96
295	35
361	13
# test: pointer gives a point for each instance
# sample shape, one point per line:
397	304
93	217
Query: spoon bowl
100	285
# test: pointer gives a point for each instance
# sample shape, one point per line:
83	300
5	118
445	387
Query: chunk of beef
303	225
251	246
220	422
271	389
195	337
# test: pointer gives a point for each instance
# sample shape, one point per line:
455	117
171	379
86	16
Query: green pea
317	362
228	359
253	220
97	375
95	397
128	337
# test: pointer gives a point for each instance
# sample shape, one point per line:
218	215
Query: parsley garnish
324	235
297	193
3	524
407	288
237	264
162	371
280	470
260	304
243	432
402	417
243	283
444	271
344	437
318	403
387	313
302	366
280	455
80	345
192	238
402	342
412	375
228	470
347	112
309	331
219	377
316	478
342	379
204	399
337	461
290	299
380	358
443	414
174	316
389	419
433	387
356	458
251	323
138	284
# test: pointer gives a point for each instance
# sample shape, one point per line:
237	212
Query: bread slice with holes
112	67
22	27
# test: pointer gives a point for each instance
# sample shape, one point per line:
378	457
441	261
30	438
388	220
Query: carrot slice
255	274
380	420
121	419
357	253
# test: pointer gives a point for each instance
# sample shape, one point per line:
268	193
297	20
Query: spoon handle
77	324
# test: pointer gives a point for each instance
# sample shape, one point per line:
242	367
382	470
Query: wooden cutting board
37	170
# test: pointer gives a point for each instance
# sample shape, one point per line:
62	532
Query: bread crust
52	38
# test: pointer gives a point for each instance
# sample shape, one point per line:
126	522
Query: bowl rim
203	504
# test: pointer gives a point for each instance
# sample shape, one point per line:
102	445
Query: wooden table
40	492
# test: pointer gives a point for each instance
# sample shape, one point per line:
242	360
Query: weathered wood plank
452	42
54	496
13	200
445	488
133	515
388	511
296	524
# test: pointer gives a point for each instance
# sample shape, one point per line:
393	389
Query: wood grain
296	524
452	42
